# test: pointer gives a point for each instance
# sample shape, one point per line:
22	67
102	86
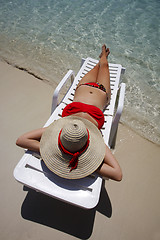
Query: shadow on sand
64	217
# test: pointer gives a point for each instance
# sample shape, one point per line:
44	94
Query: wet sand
127	210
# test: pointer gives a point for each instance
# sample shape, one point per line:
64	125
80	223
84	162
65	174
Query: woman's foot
105	51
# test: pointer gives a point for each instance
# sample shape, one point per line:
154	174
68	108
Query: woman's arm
31	140
110	167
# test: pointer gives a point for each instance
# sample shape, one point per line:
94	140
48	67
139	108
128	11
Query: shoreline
138	134
27	71
25	105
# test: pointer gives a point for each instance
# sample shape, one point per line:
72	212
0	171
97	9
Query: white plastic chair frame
84	192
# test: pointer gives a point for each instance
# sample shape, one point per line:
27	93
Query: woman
91	96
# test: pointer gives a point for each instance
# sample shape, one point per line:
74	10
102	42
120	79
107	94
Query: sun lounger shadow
104	206
62	216
58	215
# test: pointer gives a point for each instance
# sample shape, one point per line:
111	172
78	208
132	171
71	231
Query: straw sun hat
72	147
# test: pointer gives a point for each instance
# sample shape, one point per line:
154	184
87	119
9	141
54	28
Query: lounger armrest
118	113
120	102
69	74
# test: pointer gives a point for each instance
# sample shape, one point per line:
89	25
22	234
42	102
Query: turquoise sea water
48	37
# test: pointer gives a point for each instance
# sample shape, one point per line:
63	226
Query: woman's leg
103	74
94	96
100	73
91	76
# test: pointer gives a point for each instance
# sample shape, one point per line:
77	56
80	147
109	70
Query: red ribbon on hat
74	161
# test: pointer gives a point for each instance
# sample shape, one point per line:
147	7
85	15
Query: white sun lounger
32	172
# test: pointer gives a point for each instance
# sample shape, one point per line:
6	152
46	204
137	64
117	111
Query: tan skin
89	95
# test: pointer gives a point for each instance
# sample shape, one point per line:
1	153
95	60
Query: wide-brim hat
58	161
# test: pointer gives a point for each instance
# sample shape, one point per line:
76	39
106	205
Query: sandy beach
127	210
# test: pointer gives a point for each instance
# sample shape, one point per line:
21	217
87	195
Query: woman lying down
72	147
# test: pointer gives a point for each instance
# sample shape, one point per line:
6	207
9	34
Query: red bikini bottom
96	85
